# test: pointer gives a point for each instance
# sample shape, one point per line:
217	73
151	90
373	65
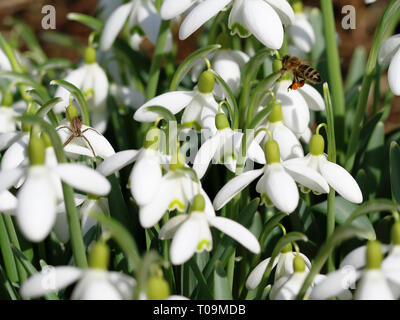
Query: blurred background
29	11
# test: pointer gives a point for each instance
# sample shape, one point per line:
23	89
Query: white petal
95	286
256	153
60	227
49	280
308	177
388	49
145	179
335	284
174	101
373	286
281	188
302	33
8	202
100	86
355	258
114	25
263	22
394	75
312	97
391	266
341	181
290	289
149	20
168	230
227	67
205	154
99	119
172	8
83	178
117	161
6	139
257	274
284	10
236	231
289	146
36	209
102	148
15	154
234	186
295	113
10	177
200	15
185	241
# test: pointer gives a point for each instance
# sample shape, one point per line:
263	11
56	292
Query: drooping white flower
171	8
93	283
283	263
91	79
262	18
136	12
37	198
336	176
191	232
200	105
390	53
301	33
224	148
277	184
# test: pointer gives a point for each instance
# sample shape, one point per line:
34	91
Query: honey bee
301	72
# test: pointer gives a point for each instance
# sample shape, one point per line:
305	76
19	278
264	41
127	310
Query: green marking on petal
204	245
193	124
241	30
176	204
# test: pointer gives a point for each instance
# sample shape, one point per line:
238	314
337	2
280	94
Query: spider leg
65	127
86	139
69	140
92	130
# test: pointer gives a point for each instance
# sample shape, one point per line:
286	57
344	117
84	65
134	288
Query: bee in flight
301	72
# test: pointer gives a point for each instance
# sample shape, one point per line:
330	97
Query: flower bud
374	255
157	288
317	145
199	203
71	112
276	112
287	248
89	55
298	264
271	150
221	121
395	233
36	150
206	82
99	256
7	99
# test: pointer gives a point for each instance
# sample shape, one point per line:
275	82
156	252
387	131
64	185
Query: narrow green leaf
222	289
189	63
42	112
89	21
357	68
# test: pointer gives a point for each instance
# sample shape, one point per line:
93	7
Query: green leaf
357	68
26	80
122	237
61	39
222	289
395	171
343	210
89	21
54	63
341	234
78	95
164	113
189	63
42	112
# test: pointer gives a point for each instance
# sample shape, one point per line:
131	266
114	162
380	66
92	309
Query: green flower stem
386	21
7	285
6	252
74	225
334	71
14	240
156	62
330	223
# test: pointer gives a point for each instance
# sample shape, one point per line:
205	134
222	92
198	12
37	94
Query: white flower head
191	233
301	33
390	53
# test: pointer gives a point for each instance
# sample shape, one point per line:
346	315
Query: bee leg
301	83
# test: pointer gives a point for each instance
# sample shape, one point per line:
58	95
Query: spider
76	126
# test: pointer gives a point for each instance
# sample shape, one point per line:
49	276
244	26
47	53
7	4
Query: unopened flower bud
221	121
99	256
206	82
374	255
89	55
317	145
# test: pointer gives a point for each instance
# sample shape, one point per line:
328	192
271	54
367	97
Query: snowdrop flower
224	148
36	208
300	32
390	53
106	7
171	8
262	18
227	63
91	79
296	104
191	233
5	64
336	176
88	141
283	263
289	145
136	12
8	122
277	185
374	283
200	105
94	283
